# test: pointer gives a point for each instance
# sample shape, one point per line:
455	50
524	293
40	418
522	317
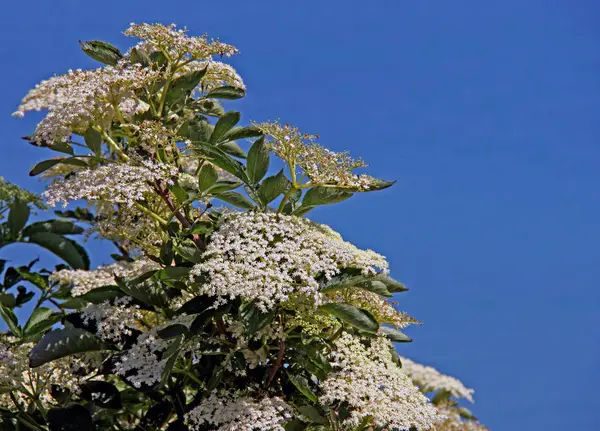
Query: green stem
152	214
112	144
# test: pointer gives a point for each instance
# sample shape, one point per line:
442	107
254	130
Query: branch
278	363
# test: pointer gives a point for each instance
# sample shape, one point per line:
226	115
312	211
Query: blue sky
487	114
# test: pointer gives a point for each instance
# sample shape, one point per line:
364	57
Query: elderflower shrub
226	307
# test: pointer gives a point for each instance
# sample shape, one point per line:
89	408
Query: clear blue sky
487	114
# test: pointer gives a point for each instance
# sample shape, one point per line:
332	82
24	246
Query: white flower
267	257
80	99
373	385
430	380
230	412
112	320
115	183
83	281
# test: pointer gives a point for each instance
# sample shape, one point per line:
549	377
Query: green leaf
221	160
273	186
196	129
226	92
104	394
101	51
302	385
47	164
183	86
60	227
224	125
59	343
255	319
233	148
236	199
324	196
242	133
37	316
207	176
8	300
312	414
101	294
172	331
93	140
223	186
66	249
380	284
148	291
394	335
258	160
17	217
72	418
356	317
11	320
139	56
376	184
465	413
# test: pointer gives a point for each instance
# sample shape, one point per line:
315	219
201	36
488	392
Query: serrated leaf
59	343
221	160
102	294
236	199
47	164
93	140
60	227
257	164
207	176
17	217
66	249
272	187
302	385
183	86
394	334
233	149
38	315
356	317
223	186
312	414
8	300
102	51
226	92
324	196
242	133
11	320
224	125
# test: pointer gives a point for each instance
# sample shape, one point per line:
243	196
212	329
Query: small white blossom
373	385
229	412
429	380
83	281
267	257
116	183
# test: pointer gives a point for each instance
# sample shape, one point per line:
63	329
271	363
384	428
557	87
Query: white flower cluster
145	361
31	382
80	99
83	281
112	320
233	412
373	385
116	183
429	380
453	422
218	74
268	257
176	43
320	165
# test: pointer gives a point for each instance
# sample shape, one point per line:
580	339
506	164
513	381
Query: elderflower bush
226	308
